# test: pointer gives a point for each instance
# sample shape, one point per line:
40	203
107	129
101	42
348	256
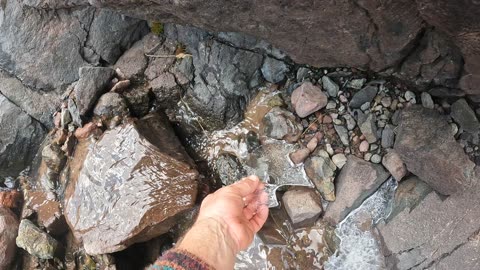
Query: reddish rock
299	156
85	131
364	146
327	119
49	212
8	233
145	178
307	99
10	199
312	144
394	164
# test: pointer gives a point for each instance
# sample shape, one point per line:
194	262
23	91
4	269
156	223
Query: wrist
211	240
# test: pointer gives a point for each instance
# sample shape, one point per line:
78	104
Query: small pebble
299	156
365	106
409	95
386	101
327	119
376	158
394	104
319	136
329	149
454	128
367	156
363	146
373	147
427	101
312	144
339	160
331	105
343	99
337	121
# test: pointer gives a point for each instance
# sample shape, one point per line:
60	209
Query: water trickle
359	247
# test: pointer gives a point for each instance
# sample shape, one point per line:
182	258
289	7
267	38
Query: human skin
227	222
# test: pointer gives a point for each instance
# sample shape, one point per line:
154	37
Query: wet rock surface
144	155
302	205
357	180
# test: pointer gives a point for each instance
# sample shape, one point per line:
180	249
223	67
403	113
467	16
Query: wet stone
321	171
408	195
281	124
229	169
330	86
274	70
137	172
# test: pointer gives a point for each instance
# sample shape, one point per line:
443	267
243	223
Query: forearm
211	241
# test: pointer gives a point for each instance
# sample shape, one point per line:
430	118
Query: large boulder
20	137
8	233
429	150
133	183
357	180
375	34
70	38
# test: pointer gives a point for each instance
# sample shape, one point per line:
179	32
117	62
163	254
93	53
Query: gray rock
35	241
281	124
134	62
54	157
339	160
8	232
394	164
302	73
303	206
444	92
73	109
321	171
388	137
357	180
274	70
20	141
138	100
357	83
351	124
111	105
223	76
38	105
92	84
110	34
144	156
343	134
408	195
368	127
366	94
307	99
376	158
229	169
427	101
330	86
428	148
166	90
65	118
70	39
465	116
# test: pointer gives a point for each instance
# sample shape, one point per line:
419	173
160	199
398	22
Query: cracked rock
92	84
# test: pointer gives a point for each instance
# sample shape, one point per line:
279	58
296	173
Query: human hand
241	208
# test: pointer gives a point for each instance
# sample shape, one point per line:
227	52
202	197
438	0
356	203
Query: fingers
246	186
259	218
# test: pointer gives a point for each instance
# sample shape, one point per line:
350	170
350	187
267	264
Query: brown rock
120	86
357	180
394	164
307	99
303	206
10	199
85	131
145	157
299	156
312	144
49	212
8	233
469	84
430	152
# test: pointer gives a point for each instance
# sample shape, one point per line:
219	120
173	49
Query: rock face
430	151
357	180
92	84
225	77
138	173
375	34
78	37
438	233
8	233
35	241
19	142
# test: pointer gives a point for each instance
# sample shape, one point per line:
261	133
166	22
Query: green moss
156	28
